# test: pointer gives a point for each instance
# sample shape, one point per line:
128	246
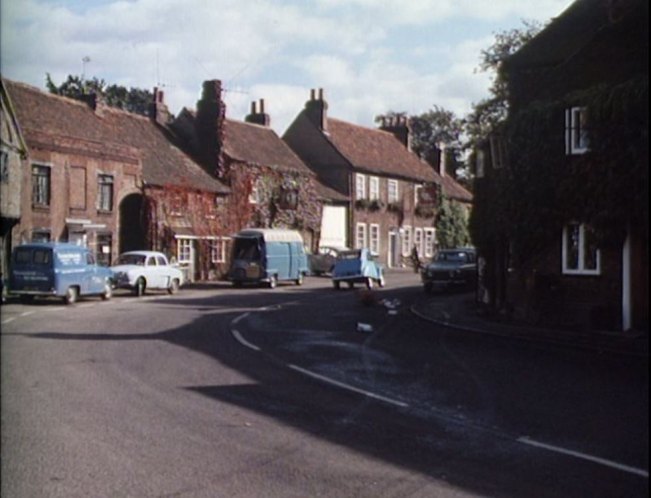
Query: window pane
590	250
573	236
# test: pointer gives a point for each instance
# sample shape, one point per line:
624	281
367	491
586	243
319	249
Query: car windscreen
455	257
132	259
349	255
31	256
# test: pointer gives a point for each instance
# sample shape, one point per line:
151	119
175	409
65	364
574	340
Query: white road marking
240	318
27	313
243	341
348	387
584	456
8	320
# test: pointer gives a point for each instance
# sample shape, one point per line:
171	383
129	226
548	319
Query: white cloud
268	49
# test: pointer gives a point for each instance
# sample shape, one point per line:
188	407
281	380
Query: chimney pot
312	94
261	106
253	108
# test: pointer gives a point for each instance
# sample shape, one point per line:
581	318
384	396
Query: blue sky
369	56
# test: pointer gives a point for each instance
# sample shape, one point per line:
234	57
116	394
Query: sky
369	56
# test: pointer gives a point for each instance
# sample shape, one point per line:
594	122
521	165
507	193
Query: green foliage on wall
451	224
541	189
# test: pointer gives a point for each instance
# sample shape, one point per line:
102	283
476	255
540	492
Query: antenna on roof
84	60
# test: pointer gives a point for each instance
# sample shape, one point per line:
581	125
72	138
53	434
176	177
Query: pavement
461	312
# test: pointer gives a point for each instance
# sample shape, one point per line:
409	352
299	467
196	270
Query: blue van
268	256
60	270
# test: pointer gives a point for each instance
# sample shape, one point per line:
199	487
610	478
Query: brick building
392	194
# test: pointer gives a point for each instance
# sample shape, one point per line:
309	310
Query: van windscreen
247	249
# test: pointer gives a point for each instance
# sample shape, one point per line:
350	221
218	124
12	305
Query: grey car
451	268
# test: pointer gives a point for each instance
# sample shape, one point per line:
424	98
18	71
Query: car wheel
72	294
237	284
140	288
108	291
26	299
174	286
273	281
428	288
351	285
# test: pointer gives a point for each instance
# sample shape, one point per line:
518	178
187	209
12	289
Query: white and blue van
268	256
60	270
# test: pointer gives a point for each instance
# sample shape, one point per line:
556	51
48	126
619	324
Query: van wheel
351	285
174	286
108	291
141	285
299	280
273	282
336	285
72	294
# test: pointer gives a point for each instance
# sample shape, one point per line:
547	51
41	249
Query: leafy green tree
488	113
134	100
452	225
432	129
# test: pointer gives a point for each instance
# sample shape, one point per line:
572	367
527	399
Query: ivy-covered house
270	185
112	180
393	198
561	200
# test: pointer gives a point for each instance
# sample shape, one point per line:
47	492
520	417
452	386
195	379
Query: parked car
61	270
324	260
357	266
268	256
142	270
451	268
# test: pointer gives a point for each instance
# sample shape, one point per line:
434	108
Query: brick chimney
443	160
400	128
258	116
316	110
158	110
209	126
96	102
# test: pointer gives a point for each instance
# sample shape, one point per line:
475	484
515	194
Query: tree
430	131
134	100
488	113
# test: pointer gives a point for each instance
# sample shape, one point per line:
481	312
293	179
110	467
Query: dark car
451	268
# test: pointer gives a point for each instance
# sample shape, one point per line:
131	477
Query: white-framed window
480	164
418	240
430	240
576	132
219	249
406	240
361	236
254	196
373	188
374	241
581	255
393	193
184	250
417	189
360	186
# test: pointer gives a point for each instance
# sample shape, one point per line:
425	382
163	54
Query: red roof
380	152
122	134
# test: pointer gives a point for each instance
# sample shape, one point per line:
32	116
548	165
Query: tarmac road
252	392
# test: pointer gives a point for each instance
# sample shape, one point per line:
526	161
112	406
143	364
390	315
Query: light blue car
357	266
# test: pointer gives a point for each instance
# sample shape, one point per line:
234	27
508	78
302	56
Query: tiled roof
260	145
42	114
377	151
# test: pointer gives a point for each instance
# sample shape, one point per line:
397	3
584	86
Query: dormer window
576	132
